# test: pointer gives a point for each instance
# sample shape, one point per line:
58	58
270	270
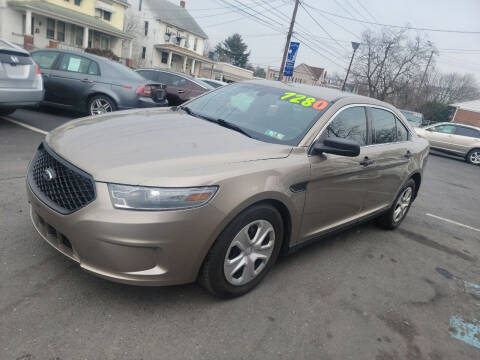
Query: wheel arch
417	177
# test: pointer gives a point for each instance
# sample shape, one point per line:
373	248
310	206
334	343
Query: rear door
46	60
177	89
465	138
391	152
72	79
17	69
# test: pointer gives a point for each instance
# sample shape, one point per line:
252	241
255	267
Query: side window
93	69
149	74
74	63
349	124
383	126
178	81
464	131
402	132
45	59
446	129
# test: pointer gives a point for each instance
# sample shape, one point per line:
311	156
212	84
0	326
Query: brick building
467	113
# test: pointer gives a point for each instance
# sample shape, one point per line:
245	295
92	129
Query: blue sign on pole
291	56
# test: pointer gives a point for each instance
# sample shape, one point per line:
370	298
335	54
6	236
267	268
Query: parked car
456	139
415	118
92	84
212	82
217	188
180	87
20	80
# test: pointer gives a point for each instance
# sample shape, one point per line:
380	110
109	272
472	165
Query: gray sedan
93	84
20	80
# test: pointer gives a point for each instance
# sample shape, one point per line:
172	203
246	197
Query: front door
338	184
441	136
72	79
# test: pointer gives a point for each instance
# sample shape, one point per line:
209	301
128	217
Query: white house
166	36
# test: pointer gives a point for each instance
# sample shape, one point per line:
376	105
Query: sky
325	38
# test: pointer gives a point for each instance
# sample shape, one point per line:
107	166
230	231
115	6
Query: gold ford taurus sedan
456	139
216	189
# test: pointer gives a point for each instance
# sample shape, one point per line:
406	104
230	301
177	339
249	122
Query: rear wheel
473	157
395	215
100	104
244	252
7	111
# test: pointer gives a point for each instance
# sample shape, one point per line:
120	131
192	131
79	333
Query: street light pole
289	37
355	46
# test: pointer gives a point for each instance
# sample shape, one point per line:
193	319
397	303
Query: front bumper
134	247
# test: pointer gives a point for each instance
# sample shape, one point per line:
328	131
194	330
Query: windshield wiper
220	122
232	126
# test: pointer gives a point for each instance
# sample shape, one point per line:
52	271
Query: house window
78	2
164	57
195	44
140	5
60	31
146	28
103	14
50	29
78	36
144	52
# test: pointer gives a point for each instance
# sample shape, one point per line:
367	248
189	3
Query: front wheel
100	104
395	215
473	157
244	252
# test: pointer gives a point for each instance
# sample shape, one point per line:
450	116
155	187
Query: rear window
464	131
121	71
14	58
46	59
384	126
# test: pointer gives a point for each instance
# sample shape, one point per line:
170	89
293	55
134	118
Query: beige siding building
303	74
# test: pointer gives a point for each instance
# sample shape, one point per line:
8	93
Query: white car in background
212	82
21	83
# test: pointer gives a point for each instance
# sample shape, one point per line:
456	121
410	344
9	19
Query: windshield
266	113
414	117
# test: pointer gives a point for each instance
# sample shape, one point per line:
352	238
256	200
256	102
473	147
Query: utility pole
355	46
425	72
289	37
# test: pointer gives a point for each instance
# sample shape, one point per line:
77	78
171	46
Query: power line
393	26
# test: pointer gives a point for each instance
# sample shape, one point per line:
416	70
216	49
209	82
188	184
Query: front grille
59	184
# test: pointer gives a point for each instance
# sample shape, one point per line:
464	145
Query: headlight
151	198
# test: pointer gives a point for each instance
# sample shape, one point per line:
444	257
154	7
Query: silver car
21	83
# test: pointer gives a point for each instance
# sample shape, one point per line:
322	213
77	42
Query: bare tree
451	87
389	62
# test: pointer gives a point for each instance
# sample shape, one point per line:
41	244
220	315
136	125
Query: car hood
159	147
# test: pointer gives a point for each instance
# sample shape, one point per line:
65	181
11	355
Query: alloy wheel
100	106
402	204
475	157
249	252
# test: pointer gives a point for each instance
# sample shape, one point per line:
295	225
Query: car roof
323	93
84	54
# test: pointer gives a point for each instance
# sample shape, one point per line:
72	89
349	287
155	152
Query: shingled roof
175	15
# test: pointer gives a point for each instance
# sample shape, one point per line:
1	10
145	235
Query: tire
391	219
7	111
100	104
473	157
222	273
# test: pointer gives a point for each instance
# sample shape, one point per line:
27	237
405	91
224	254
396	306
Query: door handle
408	154
87	81
180	91
366	161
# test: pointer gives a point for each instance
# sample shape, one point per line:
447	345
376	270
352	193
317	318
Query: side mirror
337	146
429	129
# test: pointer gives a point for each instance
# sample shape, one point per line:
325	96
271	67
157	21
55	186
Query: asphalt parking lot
413	293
